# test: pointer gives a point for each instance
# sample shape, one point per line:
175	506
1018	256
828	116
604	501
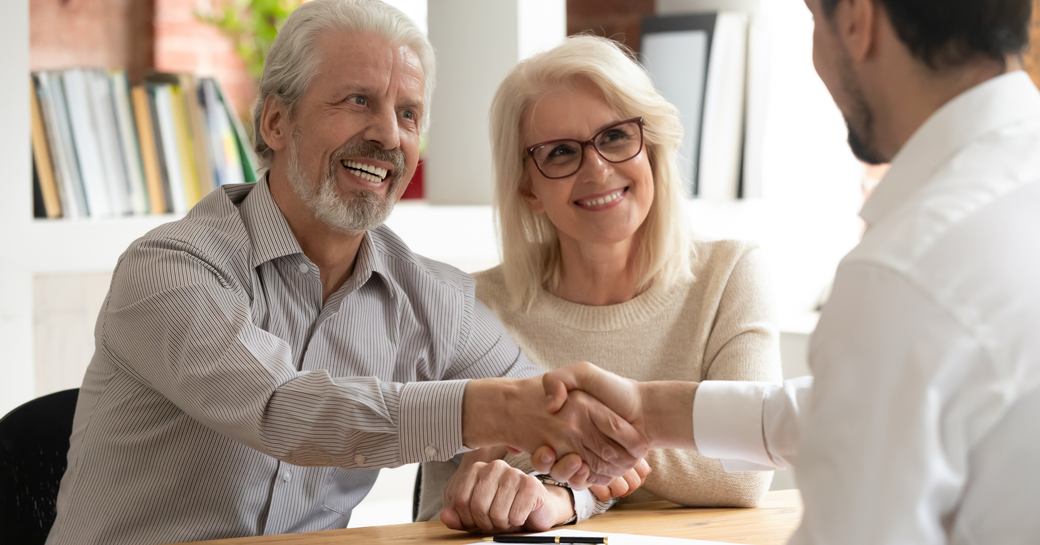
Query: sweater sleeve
743	345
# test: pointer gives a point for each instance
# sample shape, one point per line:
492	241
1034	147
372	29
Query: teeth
600	201
371	173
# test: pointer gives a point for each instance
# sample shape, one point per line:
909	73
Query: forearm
667	413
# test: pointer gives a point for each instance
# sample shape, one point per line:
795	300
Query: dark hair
948	33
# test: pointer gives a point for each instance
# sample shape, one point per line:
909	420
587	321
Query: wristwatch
548	480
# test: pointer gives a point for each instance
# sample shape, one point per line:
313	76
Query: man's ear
857	26
274	123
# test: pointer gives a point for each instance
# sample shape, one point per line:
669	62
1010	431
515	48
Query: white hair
530	245
292	62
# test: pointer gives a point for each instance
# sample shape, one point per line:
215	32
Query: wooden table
769	524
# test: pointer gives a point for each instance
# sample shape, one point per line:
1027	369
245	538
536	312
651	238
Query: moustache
369	150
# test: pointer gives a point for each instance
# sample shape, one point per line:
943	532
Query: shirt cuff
584	504
431	420
727	423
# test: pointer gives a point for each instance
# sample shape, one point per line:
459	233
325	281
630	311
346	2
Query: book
185	146
128	144
198	134
86	151
162	96
227	164
104	149
50	91
248	159
50	193
99	89
157	203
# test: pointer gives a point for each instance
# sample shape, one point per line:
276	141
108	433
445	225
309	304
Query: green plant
252	25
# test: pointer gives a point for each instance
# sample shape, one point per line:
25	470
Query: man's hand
515	413
662	411
494	497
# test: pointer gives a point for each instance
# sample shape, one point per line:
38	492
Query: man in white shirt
921	426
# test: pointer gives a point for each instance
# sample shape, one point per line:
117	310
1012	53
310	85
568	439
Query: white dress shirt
922	424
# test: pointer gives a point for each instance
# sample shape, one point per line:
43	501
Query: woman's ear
532	200
274	121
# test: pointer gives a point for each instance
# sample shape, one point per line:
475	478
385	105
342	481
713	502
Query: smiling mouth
369	173
604	200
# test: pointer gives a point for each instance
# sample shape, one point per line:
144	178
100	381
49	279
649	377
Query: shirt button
431	451
359	460
286	476
303	268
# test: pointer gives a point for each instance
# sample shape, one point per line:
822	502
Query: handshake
582	425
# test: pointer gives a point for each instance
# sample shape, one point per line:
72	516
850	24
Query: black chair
34	442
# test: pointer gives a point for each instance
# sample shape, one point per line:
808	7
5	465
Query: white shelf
87	245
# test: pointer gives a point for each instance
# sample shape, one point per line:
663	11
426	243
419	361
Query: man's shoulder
212	230
413	271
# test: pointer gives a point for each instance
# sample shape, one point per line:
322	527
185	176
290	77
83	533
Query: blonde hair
292	63
530	246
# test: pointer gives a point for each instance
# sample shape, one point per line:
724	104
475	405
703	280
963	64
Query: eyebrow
594	133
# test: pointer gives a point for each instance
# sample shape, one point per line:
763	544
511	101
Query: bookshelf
31	247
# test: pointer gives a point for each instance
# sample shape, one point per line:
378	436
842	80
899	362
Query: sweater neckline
641	308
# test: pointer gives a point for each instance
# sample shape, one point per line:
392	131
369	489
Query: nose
383	129
594	168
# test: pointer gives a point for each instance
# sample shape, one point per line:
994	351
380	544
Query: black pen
546	539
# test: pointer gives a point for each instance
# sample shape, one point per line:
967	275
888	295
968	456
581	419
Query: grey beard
355	214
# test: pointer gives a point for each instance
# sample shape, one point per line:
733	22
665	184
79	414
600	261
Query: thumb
556	387
541	518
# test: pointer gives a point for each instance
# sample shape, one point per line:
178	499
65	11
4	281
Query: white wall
15	205
477	42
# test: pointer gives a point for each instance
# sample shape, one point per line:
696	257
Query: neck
905	108
598	274
334	252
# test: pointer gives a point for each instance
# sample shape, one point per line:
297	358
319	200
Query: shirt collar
272	238
267	227
984	108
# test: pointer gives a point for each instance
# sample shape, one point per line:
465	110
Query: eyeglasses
615	144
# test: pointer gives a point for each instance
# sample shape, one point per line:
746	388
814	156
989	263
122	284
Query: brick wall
139	36
95	33
183	43
617	19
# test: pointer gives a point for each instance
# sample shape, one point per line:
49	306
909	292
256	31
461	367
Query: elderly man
259	360
921	426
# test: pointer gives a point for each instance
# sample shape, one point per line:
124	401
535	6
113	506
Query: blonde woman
597	264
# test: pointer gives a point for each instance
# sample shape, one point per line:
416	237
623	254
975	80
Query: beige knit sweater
717	326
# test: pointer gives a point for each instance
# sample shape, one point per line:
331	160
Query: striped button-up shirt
225	398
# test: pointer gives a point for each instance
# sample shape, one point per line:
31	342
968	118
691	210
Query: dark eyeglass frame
590	142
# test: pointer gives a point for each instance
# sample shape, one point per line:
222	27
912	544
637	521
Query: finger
484	494
619	486
619	432
459	491
543	459
528	498
632	482
555	391
580	480
565	468
643	469
510	485
540	520
601	493
451	519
